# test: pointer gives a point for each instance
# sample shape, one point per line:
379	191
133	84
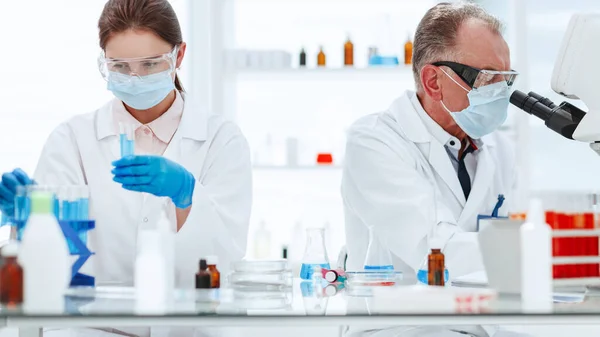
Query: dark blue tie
463	175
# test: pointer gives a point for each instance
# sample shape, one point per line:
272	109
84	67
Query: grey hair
435	37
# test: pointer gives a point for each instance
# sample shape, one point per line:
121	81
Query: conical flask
378	258
315	253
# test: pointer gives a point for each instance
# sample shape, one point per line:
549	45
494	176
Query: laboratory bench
299	306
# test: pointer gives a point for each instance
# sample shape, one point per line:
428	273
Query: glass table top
322	299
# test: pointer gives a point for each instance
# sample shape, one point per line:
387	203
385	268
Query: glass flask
378	258
315	253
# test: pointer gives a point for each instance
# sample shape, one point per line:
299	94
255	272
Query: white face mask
487	110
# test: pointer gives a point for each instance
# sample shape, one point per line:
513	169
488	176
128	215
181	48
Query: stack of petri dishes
261	275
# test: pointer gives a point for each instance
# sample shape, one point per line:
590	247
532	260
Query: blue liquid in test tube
126	139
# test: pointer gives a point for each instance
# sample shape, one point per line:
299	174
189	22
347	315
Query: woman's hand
8	190
155	175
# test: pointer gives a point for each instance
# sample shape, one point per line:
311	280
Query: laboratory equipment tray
372	278
261	266
261	279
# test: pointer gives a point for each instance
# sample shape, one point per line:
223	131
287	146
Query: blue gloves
8	189
155	175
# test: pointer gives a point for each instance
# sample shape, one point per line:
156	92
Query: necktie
463	175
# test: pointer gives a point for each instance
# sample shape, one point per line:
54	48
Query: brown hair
436	33
156	16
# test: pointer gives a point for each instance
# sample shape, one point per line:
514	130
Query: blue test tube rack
73	232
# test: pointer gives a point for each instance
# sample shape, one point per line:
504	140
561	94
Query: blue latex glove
8	189
155	175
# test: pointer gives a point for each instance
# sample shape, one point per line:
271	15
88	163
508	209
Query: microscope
573	77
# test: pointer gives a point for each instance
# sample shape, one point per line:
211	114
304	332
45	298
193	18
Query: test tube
126	138
84	202
21	203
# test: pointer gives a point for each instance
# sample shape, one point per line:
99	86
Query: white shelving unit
344	74
296	168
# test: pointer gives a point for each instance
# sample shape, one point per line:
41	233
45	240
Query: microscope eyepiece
531	104
562	119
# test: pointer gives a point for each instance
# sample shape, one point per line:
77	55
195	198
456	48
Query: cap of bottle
203	265
331	276
41	202
536	212
212	260
10	250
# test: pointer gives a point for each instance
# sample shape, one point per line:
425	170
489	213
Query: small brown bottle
408	50
11	277
348	53
436	265
321	59
203	280
215	275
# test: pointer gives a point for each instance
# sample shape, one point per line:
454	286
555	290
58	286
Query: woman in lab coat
194	164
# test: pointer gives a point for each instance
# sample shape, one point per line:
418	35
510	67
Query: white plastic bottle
44	255
167	235
536	260
150	275
262	242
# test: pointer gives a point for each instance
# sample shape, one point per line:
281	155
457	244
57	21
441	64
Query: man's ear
430	81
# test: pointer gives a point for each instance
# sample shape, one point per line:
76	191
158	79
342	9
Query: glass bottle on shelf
408	50
321	58
348	52
302	57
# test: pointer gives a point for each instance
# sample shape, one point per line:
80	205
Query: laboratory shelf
296	168
396	73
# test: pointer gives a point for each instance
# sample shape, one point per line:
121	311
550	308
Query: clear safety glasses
121	70
477	78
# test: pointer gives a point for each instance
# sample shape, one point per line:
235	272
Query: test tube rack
573	261
76	248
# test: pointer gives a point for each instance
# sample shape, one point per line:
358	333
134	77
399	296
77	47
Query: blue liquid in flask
308	269
127	145
422	276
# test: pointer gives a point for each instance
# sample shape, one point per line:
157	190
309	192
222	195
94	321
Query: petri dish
261	266
373	278
261	279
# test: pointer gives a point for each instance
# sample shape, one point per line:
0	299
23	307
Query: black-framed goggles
477	78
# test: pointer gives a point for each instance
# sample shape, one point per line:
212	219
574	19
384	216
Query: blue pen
498	205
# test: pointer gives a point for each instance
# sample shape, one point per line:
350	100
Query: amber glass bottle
321	59
348	52
437	266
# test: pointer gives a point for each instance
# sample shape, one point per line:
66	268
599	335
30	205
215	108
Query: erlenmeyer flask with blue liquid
315	253
378	258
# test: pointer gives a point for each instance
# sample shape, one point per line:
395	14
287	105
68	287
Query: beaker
315	253
378	258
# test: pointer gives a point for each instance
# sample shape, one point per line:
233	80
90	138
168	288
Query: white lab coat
393	169
81	150
398	178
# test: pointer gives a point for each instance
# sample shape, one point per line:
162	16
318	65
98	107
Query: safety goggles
121	70
477	78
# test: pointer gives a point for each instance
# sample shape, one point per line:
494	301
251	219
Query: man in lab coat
431	163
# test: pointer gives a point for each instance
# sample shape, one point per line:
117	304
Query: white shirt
451	143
